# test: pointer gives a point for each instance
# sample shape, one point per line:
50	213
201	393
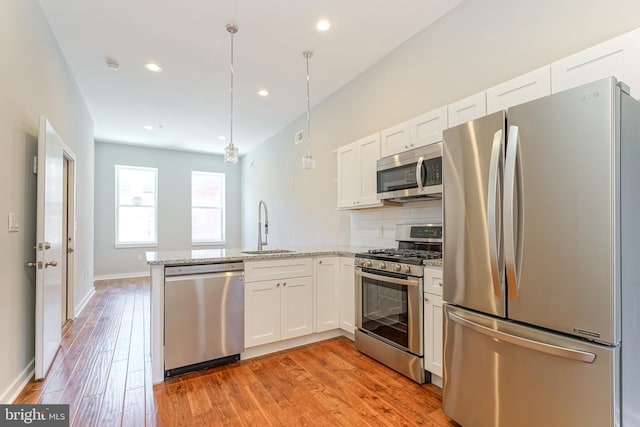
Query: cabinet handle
278	285
440	284
426	299
284	283
319	262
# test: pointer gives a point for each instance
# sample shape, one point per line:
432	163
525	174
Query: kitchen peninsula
319	283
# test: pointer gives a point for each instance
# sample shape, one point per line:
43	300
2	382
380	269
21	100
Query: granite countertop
207	256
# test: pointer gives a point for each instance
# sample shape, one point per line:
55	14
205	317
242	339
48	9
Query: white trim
16	387
121	276
261	350
82	304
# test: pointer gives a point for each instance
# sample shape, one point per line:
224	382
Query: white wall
35	80
477	45
174	203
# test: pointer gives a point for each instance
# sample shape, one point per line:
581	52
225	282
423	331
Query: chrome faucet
266	225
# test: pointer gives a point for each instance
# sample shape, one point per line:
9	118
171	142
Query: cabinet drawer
277	269
433	281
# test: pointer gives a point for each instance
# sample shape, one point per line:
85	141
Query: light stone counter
208	256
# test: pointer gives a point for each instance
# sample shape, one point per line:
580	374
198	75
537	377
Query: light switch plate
14	222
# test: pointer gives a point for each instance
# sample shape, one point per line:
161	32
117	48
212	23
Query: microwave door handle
419	174
494	220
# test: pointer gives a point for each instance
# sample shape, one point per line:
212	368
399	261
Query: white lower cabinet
335	294
347	295
277	308
327	293
433	321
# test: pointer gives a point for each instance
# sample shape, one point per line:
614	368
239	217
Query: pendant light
308	160
231	151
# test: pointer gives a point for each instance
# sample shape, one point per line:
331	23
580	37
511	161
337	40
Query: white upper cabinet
395	139
467	109
619	57
526	87
427	128
357	173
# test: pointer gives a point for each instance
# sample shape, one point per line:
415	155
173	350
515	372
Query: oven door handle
395	280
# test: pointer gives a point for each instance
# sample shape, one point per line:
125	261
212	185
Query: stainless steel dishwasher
203	316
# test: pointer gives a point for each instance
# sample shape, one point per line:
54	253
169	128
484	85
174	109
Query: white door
48	247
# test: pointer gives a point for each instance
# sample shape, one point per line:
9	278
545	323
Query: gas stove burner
407	253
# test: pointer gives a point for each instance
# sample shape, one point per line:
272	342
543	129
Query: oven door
388	307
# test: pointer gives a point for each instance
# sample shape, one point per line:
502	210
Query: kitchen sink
268	251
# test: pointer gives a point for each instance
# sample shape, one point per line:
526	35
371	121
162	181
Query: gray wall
35	80
174	203
477	45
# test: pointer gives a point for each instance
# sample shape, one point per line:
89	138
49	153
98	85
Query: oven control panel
393	267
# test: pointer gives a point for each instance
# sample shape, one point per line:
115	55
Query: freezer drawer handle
554	350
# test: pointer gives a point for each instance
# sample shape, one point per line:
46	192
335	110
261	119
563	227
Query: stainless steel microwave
413	175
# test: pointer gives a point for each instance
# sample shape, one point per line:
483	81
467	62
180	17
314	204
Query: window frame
141	244
222	208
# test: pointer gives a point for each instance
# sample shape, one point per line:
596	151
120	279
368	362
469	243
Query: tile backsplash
366	225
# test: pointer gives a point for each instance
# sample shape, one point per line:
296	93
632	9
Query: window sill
135	245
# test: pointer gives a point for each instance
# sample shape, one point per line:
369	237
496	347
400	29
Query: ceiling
188	102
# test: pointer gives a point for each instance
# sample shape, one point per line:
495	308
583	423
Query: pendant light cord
308	54
232	29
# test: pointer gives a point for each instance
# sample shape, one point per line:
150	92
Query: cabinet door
327	294
347	295
527	87
261	312
395	139
348	175
427	128
433	333
467	109
619	57
369	155
296	307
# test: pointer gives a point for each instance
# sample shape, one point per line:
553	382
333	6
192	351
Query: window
136	206
207	207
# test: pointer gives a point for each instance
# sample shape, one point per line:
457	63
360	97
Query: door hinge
35	165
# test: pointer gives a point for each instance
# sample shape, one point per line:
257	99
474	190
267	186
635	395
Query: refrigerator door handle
554	350
419	174
494	220
509	212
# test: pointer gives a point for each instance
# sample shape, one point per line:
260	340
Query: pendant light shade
231	151
308	160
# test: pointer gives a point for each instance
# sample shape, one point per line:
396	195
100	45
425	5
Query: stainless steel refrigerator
542	263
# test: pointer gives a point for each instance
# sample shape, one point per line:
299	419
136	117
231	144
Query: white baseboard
121	276
82	304
261	350
18	384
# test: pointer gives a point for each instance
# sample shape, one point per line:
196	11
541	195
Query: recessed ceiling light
222	137
323	25
263	92
151	66
148	127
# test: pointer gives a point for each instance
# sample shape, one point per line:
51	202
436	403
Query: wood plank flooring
103	371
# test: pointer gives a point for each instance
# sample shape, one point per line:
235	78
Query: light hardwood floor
103	370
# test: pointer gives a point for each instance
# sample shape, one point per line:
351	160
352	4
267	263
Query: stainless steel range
389	310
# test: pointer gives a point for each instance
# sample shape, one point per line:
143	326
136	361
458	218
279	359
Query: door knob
34	264
50	264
